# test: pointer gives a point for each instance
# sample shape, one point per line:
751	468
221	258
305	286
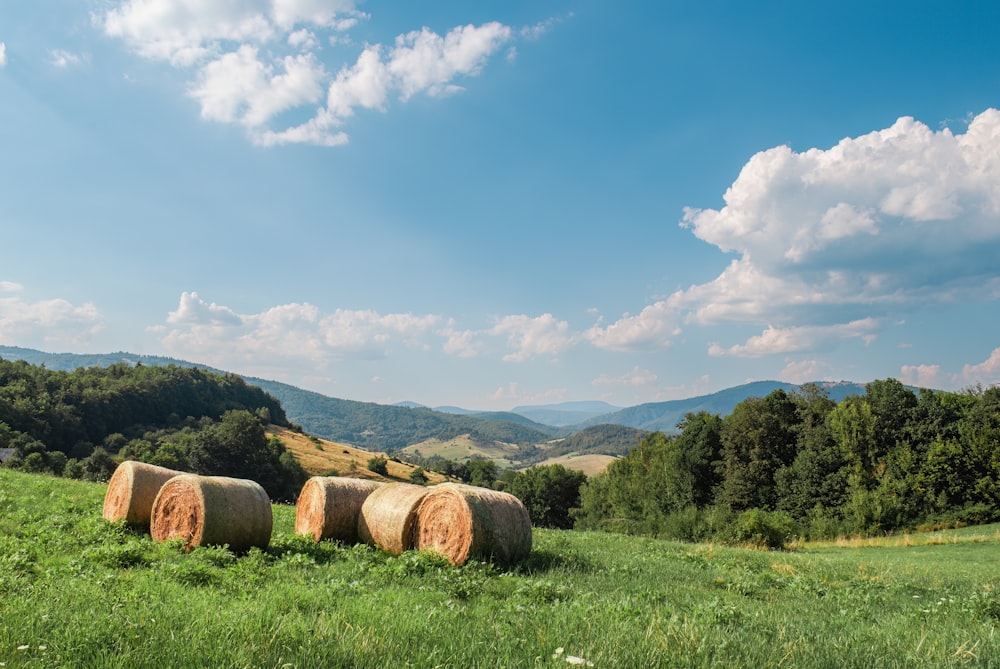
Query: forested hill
367	425
607	439
381	427
666	416
80	423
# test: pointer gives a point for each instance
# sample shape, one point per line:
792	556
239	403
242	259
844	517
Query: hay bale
328	507
212	510
387	516
462	522
132	489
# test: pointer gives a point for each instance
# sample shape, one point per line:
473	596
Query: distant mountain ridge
664	416
393	427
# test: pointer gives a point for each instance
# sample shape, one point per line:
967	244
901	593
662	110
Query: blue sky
502	203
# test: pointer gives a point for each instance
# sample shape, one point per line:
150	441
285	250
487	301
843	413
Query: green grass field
77	591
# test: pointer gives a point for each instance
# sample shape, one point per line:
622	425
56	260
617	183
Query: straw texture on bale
132	489
387	516
212	510
462	522
328	507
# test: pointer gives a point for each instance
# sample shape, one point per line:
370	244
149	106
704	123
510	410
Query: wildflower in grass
24	647
573	659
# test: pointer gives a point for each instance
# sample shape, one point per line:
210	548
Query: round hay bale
328	507
132	489
212	510
387	516
462	522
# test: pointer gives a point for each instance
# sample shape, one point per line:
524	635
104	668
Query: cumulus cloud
651	329
985	373
805	371
253	60
52	323
885	221
239	88
831	243
923	376
532	337
420	62
288	332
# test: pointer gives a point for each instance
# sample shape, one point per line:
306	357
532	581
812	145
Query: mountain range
380	427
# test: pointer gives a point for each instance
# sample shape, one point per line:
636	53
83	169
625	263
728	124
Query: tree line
80	424
890	459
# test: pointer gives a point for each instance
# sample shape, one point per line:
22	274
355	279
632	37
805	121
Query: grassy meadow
77	591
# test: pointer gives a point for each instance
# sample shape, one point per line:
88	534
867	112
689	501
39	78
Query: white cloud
986	372
290	332
238	87
424	61
652	329
192	310
535	31
805	371
64	59
48	324
184	32
636	377
802	338
3	54
532	337
420	62
251	60
463	343
890	220
303	39
923	376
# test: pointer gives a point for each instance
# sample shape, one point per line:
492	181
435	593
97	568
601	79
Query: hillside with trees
800	462
367	425
81	423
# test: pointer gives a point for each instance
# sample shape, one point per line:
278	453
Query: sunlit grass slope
77	591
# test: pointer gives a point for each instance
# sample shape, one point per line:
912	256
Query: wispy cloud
802	338
636	377
3	54
65	59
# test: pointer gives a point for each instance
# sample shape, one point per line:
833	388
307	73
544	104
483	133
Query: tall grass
77	591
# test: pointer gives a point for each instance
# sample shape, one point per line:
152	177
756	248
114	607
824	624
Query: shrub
379	465
766	529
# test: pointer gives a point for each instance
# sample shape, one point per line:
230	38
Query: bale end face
462	522
212	510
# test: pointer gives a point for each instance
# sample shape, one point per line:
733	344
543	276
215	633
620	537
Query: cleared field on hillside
589	464
464	447
320	457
